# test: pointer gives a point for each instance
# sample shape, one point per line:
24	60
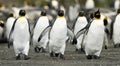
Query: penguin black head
97	14
22	12
81	13
11	15
60	13
118	11
43	13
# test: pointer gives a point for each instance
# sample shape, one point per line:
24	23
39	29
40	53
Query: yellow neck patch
97	18
22	16
61	16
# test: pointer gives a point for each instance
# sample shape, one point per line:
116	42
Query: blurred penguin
115	32
80	23
90	4
95	37
54	4
21	36
9	24
40	25
117	4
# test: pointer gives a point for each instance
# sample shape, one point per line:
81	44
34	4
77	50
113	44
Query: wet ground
109	57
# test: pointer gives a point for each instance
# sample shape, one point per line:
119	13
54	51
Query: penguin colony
56	34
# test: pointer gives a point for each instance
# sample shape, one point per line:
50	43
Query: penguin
9	24
40	25
116	4
80	23
90	4
2	29
58	34
54	4
95	37
21	36
115	30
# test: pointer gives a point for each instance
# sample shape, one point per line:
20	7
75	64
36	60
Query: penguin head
60	13
11	15
97	14
118	11
22	12
43	13
81	13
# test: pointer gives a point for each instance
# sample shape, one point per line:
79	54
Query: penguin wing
47	29
82	31
72	36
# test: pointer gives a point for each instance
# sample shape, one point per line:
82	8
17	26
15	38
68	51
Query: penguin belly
94	38
89	4
116	31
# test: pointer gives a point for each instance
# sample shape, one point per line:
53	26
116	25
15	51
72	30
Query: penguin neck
22	16
97	18
61	16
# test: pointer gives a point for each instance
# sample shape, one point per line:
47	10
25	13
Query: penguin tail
74	40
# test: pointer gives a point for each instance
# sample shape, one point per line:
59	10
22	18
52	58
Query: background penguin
117	4
1	30
95	37
9	24
115	32
40	25
90	4
21	36
58	36
80	23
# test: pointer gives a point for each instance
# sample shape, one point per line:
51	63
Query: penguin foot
119	45
43	50
96	57
26	57
115	46
18	57
106	47
89	57
37	49
52	54
56	54
82	50
62	56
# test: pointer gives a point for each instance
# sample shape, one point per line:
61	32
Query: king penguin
90	4
9	24
21	36
58	34
115	32
40	25
80	23
95	37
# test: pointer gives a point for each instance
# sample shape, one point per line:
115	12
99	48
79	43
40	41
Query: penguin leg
62	50
52	54
26	50
37	49
26	57
18	57
89	57
96	57
43	50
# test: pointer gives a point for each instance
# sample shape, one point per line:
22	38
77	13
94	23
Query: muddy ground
109	57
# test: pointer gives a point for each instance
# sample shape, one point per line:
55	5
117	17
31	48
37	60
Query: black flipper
47	29
72	36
